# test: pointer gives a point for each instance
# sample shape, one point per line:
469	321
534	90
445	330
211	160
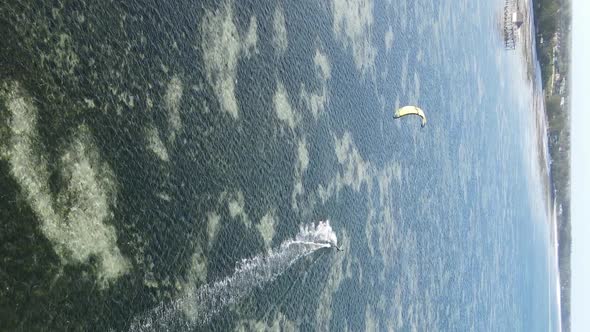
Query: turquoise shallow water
148	149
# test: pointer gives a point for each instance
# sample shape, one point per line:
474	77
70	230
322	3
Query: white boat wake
200	305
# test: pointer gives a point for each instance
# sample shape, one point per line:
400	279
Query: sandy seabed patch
279	39
222	47
316	101
155	144
172	102
75	219
283	108
353	24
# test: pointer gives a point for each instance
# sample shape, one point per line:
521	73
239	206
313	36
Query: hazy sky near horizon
580	180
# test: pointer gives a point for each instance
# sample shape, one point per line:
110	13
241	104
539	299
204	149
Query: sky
580	180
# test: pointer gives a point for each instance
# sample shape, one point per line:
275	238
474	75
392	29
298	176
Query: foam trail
200	305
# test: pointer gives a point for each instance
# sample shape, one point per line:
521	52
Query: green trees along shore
553	28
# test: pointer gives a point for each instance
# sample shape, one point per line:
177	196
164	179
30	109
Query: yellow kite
407	110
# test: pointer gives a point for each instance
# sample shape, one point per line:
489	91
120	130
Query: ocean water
190	165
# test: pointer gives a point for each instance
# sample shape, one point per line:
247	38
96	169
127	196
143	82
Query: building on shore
513	20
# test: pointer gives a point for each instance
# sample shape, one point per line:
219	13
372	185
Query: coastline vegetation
553	29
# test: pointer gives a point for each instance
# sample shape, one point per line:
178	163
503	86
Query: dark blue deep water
148	148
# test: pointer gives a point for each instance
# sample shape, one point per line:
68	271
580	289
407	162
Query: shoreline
526	47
